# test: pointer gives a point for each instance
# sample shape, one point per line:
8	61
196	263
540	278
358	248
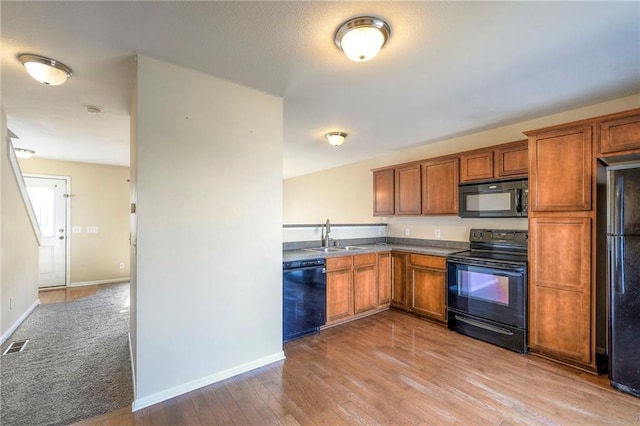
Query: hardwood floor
69	294
393	368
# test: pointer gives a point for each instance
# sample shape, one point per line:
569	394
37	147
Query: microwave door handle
519	200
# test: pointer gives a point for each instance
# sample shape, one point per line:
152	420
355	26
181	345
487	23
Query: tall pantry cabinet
567	275
561	218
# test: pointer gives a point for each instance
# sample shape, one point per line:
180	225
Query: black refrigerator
623	246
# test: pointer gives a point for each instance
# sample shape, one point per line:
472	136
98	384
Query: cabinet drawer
436	262
339	263
365	259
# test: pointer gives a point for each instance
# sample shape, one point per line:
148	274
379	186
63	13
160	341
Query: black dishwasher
304	297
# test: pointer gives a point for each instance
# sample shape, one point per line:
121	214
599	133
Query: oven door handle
488	264
480	324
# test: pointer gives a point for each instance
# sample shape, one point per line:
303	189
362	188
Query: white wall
18	248
209	215
345	194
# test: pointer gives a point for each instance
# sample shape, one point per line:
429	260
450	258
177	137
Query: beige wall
18	248
345	194
100	197
209	213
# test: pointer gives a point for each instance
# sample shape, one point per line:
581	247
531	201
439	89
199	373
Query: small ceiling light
94	110
336	138
362	38
45	70
23	152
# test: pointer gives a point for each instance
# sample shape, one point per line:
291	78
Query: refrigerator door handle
616	263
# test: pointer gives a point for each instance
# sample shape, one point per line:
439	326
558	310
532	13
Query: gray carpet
76	364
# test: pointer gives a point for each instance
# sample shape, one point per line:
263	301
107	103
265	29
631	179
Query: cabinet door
428	292
512	160
620	134
408	191
365	288
560	174
560	287
383	193
427	286
476	165
399	279
440	186
384	279
339	288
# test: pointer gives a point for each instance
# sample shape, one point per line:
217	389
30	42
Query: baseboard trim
108	281
19	321
147	401
133	368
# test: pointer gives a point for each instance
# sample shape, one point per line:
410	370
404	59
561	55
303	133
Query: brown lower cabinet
357	285
419	284
427	286
339	289
560	293
399	280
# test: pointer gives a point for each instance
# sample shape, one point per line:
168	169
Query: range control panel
519	237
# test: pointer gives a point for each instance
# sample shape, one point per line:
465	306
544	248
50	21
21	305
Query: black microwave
494	199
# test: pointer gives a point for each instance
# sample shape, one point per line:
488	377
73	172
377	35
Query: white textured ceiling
450	68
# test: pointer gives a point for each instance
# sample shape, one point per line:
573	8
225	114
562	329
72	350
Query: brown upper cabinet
476	165
512	159
620	134
497	162
383	192
560	174
430	187
408	190
440	187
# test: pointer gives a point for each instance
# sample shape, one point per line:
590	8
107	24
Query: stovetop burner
496	245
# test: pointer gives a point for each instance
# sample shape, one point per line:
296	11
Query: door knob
61	237
61	230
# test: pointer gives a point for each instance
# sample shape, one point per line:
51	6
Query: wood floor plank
393	368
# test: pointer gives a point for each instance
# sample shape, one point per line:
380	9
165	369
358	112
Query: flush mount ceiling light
362	38
94	110
335	138
23	152
45	70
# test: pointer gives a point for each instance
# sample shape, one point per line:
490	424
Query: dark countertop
302	254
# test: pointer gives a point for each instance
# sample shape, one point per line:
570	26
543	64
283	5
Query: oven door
490	290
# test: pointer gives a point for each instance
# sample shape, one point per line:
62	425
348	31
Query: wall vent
16	347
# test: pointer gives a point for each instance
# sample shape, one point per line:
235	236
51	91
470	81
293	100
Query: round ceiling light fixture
23	152
336	138
45	70
362	38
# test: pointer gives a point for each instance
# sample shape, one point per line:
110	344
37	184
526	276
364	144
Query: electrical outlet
407	232
380	231
121	265
438	235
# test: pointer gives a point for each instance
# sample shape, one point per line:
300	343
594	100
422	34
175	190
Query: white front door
47	196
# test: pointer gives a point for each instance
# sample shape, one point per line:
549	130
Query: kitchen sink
325	249
334	249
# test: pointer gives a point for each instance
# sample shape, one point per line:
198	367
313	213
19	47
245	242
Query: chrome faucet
326	230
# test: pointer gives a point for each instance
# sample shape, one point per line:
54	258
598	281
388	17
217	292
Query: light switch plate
92	229
76	229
